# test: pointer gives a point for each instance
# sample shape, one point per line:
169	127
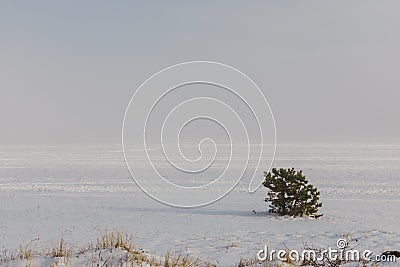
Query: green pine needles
290	194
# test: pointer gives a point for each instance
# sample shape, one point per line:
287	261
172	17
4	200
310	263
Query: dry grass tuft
25	252
8	256
252	262
115	240
60	250
171	260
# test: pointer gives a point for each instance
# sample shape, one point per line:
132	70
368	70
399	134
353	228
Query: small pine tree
290	194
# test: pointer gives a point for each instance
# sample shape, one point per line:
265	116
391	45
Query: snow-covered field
78	191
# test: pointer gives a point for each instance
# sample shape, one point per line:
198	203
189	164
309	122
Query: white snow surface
77	191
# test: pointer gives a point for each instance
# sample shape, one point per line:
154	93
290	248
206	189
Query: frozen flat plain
78	191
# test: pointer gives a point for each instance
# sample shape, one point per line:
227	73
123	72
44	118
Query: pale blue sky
330	69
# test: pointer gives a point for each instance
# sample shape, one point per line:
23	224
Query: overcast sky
330	70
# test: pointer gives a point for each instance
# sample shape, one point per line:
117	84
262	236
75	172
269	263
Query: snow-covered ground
78	191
